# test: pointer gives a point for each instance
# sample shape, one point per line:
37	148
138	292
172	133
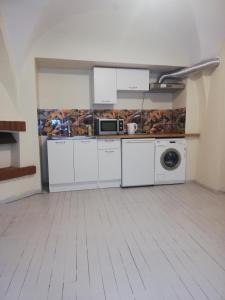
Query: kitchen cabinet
109	163
138	162
60	161
72	164
85	160
84	163
132	80
105	91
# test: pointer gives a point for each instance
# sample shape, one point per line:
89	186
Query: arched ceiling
191	30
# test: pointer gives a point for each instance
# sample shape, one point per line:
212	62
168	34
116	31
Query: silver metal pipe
211	63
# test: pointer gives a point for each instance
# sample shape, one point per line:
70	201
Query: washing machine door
170	159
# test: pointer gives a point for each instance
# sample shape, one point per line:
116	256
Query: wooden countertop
143	135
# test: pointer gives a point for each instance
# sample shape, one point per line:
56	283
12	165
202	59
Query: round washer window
170	159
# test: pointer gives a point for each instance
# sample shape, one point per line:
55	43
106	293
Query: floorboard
160	243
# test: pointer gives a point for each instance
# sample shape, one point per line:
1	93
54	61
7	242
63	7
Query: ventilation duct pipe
211	63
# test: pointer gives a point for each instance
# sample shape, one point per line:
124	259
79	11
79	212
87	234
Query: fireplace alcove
9	137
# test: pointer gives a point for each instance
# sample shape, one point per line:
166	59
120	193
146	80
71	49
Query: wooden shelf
13	125
7	138
14	172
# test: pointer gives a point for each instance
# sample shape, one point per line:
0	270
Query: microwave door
108	127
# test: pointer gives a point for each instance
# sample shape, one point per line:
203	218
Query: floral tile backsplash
55	121
131	116
156	121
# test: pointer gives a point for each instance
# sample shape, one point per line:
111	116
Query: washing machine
170	161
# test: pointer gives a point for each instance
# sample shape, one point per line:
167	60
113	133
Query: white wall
211	162
190	99
63	88
205	111
8	92
114	30
11	154
180	99
26	152
8	110
194	98
156	32
5	156
194	109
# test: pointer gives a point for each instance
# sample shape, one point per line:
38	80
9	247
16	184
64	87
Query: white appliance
109	126
132	128
170	161
137	162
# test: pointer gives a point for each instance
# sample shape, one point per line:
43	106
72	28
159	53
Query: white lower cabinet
72	164
85	160
60	162
109	163
84	164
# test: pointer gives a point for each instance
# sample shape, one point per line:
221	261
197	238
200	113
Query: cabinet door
132	80
105	91
85	160
109	164
60	162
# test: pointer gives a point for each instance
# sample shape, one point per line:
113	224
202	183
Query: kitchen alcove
66	84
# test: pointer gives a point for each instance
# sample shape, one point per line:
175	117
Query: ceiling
192	30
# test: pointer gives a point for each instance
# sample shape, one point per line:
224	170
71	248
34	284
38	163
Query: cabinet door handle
85	141
106	101
133	87
61	142
109	151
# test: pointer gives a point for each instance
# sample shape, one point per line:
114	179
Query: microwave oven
109	126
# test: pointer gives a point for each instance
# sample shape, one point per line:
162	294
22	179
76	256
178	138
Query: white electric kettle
132	128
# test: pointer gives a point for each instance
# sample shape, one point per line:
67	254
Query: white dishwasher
138	162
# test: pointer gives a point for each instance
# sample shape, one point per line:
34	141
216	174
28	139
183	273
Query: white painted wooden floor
156	243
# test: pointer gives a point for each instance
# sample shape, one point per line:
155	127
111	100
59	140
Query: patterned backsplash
55	121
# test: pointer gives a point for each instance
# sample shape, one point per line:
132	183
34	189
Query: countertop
128	136
143	135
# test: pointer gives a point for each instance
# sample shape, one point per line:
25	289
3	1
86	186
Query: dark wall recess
7	138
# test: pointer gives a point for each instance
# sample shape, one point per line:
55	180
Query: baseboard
66	187
190	181
215	191
109	184
169	182
21	196
84	186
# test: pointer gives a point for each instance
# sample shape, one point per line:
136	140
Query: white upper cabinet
107	81
105	91
132	80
